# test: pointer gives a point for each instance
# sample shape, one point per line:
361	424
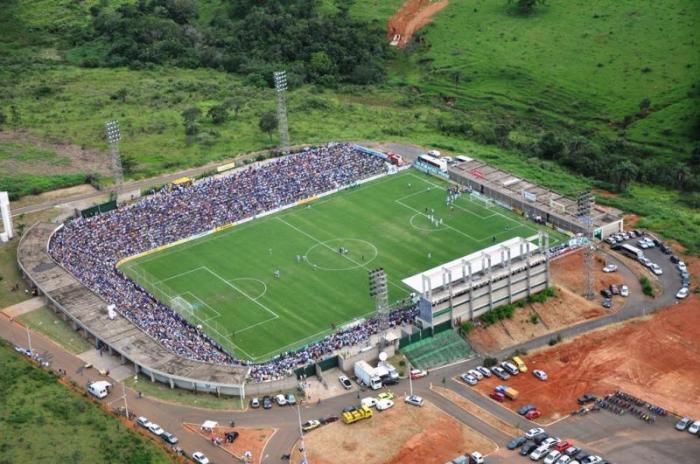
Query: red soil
412	16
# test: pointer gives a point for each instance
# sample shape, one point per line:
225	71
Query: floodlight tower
584	209
281	89
379	290
113	137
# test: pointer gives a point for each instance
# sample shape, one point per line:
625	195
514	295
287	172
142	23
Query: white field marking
218	314
446	225
308	253
359	265
225	233
180	275
309	337
254	280
495	212
424	229
242	292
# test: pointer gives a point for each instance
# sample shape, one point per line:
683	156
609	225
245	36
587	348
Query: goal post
182	306
481	200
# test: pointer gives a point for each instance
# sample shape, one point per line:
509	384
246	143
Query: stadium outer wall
87	314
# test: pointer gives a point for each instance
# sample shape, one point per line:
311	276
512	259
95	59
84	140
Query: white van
100	389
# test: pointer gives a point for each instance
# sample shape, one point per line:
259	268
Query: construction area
403	434
656	358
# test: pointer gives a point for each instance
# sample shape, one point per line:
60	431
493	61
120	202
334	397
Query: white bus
631	251
463	159
434	162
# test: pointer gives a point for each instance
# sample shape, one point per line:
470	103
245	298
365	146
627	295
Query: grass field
41	421
226	279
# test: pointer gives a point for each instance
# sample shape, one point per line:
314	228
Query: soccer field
226	281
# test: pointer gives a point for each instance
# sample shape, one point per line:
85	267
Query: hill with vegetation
42	421
575	94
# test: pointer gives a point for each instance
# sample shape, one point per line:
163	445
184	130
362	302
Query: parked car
309	425
539	453
606	293
169	438
624	291
369	402
665	249
500	373
593	459
383	405
572	451
511	368
328	419
291	399
418	373
484	371
614	290
563	445
656	269
550	442
610	268
540	374
540	438
200	458
644	260
143	422
527	448
683	423
681	266
387	395
532	415
532	432
345	382
476	458
267	402
415	400
469	379
475	373
525	409
498	396
682	293
516	442
675	259
280	400
586	398
552	457
156	429
564	460
255	403
607	303
694	427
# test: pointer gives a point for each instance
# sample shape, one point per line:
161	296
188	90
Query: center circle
341	254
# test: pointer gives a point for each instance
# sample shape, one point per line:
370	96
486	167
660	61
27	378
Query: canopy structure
495	255
209	425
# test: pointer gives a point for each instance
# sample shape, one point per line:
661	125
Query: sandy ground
568	308
75	158
402	435
656	358
412	16
250	439
475	410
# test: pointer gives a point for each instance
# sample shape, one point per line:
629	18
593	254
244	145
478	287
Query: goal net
481	199
182	306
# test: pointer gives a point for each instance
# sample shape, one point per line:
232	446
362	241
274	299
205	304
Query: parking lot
619	439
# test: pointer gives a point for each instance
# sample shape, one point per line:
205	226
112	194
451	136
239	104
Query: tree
624	172
320	64
268	123
526	6
550	146
644	105
218	114
121	94
3	118
190	116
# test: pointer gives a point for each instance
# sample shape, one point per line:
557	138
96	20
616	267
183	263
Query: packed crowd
91	247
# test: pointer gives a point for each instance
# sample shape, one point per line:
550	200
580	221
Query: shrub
490	362
646	286
402	363
535	319
467	326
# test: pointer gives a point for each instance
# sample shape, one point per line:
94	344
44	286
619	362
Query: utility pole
29	339
113	137
280	78
302	447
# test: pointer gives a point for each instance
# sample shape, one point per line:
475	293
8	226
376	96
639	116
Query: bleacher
443	348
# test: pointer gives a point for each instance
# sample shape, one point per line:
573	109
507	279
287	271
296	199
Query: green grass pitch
225	281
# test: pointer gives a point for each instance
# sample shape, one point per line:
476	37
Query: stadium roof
518	247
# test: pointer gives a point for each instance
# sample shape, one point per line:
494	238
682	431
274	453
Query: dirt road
411	17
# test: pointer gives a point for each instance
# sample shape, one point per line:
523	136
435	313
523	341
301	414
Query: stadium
233	282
